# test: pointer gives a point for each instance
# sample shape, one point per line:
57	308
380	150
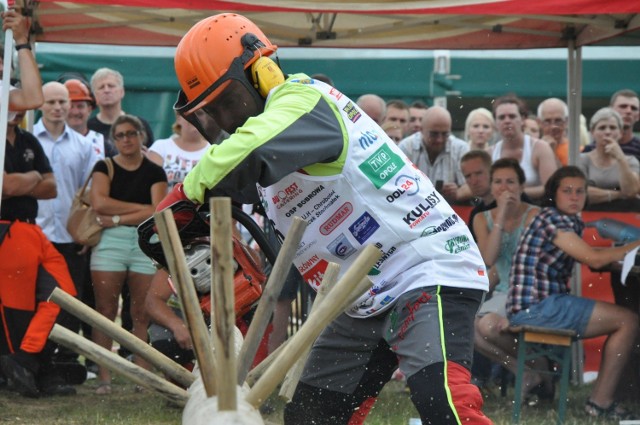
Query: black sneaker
73	373
20	378
57	389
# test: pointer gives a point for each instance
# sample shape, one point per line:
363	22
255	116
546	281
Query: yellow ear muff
266	74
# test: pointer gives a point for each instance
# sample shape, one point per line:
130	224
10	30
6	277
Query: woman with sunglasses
122	203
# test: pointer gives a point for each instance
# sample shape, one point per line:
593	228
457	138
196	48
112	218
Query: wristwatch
116	220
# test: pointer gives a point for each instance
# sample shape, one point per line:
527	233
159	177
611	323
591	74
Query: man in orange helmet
82	104
313	153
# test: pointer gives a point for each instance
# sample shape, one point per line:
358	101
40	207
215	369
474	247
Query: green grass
125	406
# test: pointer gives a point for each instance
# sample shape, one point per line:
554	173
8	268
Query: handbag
83	224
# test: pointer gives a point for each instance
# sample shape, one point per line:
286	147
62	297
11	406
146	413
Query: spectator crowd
509	166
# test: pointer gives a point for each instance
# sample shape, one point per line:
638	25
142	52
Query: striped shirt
631	148
539	267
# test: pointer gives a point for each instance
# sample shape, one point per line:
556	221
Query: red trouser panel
362	412
466	397
30	268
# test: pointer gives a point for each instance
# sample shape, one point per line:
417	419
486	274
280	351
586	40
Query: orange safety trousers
30	269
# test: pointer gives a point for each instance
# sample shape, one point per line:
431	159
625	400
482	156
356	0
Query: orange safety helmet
78	91
205	56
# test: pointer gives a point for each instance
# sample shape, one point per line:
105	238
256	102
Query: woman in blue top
498	232
539	287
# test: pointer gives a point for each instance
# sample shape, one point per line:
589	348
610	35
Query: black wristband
23	46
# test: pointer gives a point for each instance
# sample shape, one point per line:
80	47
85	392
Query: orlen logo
367	138
336	219
406	185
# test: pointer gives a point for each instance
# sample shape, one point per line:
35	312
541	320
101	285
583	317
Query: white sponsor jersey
380	198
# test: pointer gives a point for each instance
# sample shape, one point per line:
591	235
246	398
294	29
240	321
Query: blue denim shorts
559	311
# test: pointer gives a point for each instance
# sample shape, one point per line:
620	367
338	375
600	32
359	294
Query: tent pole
574	101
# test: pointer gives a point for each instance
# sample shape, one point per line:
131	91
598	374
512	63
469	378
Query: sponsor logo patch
315	274
381	166
286	195
422	210
364	227
352	112
336	219
341	247
368	138
442	227
457	244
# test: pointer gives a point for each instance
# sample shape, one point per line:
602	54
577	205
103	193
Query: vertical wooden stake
173	252
223	301
270	296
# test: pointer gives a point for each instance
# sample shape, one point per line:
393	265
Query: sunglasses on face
126	135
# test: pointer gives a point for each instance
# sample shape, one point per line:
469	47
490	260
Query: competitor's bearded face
233	107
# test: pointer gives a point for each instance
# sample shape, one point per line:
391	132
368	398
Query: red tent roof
431	24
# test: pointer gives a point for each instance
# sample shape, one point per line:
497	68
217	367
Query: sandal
614	411
104	388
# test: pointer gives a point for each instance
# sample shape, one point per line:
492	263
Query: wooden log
223	301
124	338
269	297
174	254
354	280
117	364
255	373
293	376
203	410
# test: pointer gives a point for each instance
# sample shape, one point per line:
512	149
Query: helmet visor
235	71
192	111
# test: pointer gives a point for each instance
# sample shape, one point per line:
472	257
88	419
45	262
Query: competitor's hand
182	337
177	194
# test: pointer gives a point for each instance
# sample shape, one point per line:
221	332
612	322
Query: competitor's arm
297	129
161	314
29	96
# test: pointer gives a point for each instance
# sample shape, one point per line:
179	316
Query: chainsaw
195	239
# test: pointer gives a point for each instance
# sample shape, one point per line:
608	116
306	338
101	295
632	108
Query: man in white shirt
72	158
437	153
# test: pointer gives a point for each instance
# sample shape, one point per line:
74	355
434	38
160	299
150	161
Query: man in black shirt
108	88
28	175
